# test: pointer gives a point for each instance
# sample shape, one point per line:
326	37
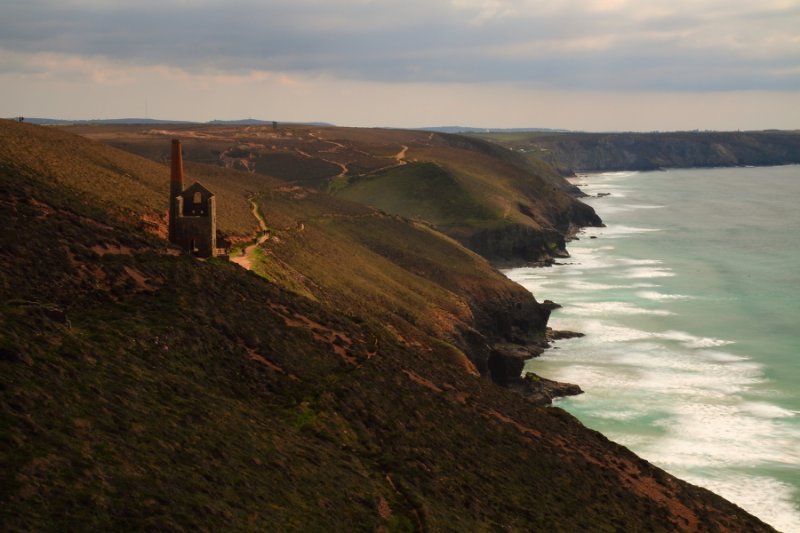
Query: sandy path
245	260
401	155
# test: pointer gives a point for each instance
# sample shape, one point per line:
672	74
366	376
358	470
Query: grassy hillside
144	390
365	262
319	249
423	191
575	152
131	186
496	202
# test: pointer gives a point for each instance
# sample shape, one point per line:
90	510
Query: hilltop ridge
494	201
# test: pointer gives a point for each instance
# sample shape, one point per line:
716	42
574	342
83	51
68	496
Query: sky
593	65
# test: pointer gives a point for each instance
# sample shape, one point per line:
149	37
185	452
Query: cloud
605	45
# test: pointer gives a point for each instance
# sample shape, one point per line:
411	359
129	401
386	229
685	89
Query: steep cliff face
513	244
575	152
509	329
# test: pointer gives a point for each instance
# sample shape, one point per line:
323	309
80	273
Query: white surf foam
684	400
661	297
721	434
602	332
614	174
767	498
641	206
724	357
580	285
611	308
640	262
647	273
767	410
614	232
692	341
624	208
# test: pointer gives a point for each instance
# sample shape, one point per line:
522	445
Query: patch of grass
296	168
423	191
306	417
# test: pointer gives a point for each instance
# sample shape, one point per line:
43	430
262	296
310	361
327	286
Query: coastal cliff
145	389
598	152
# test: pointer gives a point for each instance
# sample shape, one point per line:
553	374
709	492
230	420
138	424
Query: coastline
285	409
538	389
657	337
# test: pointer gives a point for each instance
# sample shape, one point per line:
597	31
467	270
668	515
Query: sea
689	300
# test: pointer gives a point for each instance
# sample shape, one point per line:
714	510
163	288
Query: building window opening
197	197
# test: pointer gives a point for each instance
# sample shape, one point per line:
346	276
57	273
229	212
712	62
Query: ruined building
192	212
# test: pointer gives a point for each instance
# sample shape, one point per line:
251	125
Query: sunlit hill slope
494	201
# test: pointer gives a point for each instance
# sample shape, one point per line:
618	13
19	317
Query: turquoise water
689	299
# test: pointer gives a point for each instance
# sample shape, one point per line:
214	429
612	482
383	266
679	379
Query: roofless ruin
192	211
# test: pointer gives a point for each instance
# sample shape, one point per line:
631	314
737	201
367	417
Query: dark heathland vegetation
337	388
496	202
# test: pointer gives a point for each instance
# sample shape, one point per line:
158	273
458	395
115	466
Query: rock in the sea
557	335
541	391
550	305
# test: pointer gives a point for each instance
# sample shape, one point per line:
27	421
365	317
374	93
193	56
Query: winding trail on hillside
344	168
336	147
401	155
400	160
245	260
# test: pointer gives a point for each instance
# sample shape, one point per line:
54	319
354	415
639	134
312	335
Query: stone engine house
192	211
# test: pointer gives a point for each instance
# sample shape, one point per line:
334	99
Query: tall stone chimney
175	189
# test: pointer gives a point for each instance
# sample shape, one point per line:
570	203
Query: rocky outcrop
513	331
542	391
517	244
506	361
509	328
557	335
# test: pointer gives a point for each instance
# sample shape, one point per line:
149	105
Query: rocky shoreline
507	360
537	389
